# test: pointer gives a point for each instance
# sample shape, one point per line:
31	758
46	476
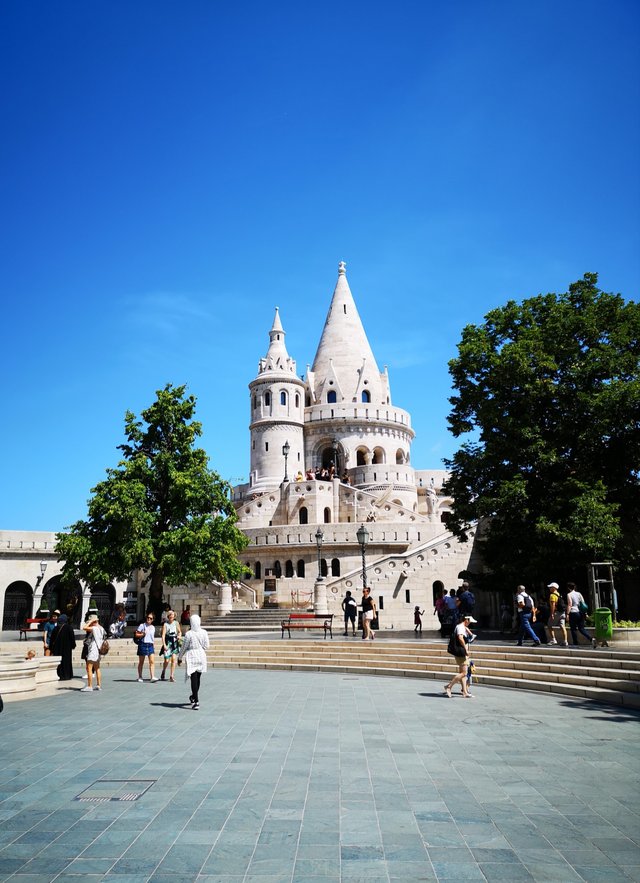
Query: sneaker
153	680
173	680
469	696
551	643
98	689
346	634
196	706
139	680
536	644
594	643
85	676
565	644
162	676
87	690
447	692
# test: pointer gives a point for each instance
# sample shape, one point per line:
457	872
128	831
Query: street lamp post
363	538
319	539
334	445
286	447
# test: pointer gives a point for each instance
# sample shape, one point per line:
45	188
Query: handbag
583	607
104	648
85	652
375	624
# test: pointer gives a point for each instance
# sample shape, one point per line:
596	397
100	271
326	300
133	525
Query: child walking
417	619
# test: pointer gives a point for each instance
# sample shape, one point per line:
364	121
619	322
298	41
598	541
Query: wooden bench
308	621
26	627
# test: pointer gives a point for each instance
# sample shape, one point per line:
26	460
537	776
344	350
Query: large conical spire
344	360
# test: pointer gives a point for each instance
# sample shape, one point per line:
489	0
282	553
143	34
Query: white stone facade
341	417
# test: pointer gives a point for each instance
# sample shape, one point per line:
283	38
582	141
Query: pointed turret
344	361
277	413
277	358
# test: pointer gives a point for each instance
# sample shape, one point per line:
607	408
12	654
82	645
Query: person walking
95	635
350	607
146	633
417	620
459	648
577	607
368	613
63	643
171	635
525	615
193	652
557	614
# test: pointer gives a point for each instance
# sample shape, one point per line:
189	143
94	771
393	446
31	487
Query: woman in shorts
146	632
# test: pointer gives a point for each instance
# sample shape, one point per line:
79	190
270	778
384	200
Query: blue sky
171	171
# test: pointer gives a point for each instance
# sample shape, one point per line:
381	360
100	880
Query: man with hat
461	639
557	614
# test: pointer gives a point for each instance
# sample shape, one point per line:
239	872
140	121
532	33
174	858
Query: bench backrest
310	615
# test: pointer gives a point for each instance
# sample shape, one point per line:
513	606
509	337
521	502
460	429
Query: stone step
603	675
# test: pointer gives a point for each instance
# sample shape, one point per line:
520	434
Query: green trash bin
603	624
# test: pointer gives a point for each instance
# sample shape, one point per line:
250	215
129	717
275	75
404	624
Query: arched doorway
66	599
18	604
104	597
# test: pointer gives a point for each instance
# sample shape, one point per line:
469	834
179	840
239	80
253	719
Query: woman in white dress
194	653
95	635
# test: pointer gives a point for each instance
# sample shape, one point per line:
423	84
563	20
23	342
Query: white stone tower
349	411
277	415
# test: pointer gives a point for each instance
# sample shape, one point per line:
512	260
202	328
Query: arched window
324	570
277	569
283	398
297	400
255	403
361	457
288	568
267	399
304	515
327	515
399	456
300	568
366	395
335	567
332	397
437	588
257	570
378	455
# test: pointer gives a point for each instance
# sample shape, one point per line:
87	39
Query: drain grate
106	790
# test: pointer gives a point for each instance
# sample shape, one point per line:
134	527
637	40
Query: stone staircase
247	620
604	675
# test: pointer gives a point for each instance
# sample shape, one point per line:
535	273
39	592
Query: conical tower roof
277	358
344	360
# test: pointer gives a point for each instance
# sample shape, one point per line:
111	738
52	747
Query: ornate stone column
226	604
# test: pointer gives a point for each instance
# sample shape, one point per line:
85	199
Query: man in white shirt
525	615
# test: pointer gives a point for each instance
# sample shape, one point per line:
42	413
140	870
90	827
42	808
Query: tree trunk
155	593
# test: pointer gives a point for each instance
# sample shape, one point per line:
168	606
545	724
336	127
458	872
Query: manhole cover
105	790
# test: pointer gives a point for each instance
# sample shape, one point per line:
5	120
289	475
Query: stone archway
18	604
66	599
104	597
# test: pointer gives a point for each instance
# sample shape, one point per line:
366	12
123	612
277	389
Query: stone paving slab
298	777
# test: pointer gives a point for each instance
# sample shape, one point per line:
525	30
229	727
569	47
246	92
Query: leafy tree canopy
549	390
161	509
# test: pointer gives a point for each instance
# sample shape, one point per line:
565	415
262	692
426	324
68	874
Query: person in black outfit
368	613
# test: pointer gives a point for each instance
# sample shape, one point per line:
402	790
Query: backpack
560	605
528	604
467	601
454	647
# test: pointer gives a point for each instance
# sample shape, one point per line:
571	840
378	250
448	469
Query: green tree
161	509
548	394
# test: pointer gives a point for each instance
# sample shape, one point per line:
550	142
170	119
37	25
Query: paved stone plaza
294	777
